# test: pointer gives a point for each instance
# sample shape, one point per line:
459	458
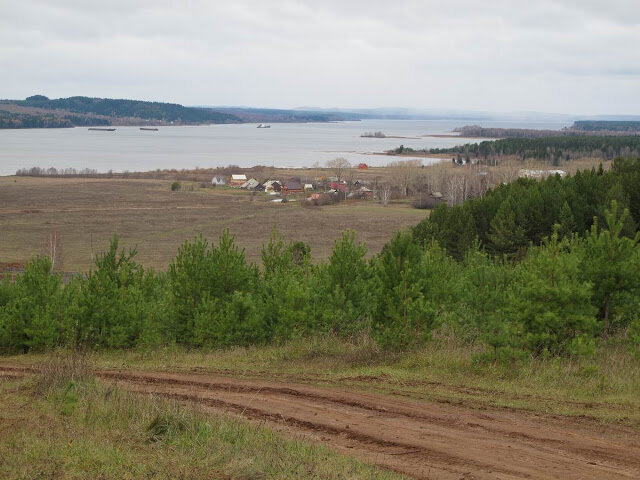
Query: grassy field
145	212
82	429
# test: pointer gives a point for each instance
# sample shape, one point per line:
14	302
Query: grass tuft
61	368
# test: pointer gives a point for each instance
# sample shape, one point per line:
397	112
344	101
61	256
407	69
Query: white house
218	180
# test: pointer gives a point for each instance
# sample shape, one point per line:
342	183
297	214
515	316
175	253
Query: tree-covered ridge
165	112
510	217
554	149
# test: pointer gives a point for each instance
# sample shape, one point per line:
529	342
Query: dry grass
145	212
87	430
63	367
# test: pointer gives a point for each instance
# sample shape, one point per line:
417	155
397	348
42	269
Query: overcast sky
569	56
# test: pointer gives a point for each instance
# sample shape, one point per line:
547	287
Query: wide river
282	145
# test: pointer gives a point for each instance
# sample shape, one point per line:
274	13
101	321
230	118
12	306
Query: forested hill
39	111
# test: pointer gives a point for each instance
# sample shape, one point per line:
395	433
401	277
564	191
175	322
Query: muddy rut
421	440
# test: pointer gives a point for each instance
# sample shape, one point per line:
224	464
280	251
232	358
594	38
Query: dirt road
421	440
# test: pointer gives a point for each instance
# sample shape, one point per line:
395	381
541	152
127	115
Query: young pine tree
550	301
611	264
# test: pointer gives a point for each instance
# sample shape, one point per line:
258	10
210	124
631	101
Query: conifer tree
611	263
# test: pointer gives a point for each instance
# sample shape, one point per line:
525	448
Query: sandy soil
421	440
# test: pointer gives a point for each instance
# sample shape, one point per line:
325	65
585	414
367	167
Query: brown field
142	209
85	213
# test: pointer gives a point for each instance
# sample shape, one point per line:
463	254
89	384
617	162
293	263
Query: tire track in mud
422	440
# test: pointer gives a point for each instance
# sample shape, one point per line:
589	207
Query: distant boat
151	129
263	125
103	129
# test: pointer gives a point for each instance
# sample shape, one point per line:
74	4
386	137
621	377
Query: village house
218	180
252	184
291	187
365	193
237	180
339	187
272	187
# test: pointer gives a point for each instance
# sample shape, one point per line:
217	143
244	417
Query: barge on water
150	129
103	129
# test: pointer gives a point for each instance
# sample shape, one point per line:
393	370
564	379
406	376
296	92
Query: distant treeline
54	172
581	127
553	149
607	125
494	132
561	287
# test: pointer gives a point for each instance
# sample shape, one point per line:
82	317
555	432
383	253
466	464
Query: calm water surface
282	145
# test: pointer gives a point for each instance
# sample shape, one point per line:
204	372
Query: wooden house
237	180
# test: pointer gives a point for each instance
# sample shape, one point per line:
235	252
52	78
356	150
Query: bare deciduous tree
338	166
385	193
404	172
53	249
510	171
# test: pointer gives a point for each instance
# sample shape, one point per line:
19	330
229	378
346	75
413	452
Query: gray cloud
577	56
